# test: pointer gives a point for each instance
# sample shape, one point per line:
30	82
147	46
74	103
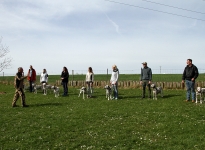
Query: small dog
108	92
55	90
82	90
200	92
36	87
156	90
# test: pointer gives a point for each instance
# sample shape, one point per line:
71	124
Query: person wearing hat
145	79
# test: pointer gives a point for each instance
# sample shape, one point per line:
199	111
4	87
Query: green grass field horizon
122	77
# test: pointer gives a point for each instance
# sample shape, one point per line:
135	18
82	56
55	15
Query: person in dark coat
64	80
189	77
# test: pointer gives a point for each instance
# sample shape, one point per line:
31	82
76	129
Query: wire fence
107	71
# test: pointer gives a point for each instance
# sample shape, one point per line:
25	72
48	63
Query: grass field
122	77
128	123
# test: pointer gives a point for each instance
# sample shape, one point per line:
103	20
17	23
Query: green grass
128	123
122	77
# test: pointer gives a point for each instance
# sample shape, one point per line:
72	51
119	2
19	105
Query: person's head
189	61
114	67
44	70
65	69
144	64
31	67
90	69
20	69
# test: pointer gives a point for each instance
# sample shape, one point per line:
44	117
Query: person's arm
141	76
46	78
150	76
184	75
196	73
34	75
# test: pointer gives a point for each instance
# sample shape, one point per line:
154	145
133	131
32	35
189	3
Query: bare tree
5	62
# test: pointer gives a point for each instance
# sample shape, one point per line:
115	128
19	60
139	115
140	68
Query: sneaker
142	97
186	100
116	98
193	101
25	106
14	105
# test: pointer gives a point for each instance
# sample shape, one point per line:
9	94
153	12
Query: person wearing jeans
189	77
145	79
114	81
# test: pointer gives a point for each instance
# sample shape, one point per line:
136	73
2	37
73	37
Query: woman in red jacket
31	77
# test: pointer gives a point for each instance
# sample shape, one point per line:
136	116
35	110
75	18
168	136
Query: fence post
72	75
107	74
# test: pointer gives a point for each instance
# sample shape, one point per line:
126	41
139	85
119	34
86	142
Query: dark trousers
65	88
144	84
31	86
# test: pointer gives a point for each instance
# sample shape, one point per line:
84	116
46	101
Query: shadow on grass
170	95
46	104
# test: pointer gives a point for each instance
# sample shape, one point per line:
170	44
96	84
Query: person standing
44	80
31	77
89	81
145	79
44	77
114	81
189	77
18	84
64	79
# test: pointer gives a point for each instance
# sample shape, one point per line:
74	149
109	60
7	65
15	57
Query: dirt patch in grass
2	93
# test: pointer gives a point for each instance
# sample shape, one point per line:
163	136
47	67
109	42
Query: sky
79	34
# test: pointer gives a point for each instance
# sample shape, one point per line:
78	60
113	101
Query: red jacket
33	76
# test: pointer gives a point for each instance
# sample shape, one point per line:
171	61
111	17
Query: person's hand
140	82
149	82
183	81
192	79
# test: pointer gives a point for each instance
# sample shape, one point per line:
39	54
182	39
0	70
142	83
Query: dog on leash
156	90
108	93
56	90
200	92
82	91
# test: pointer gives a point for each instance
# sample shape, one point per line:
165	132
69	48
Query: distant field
122	77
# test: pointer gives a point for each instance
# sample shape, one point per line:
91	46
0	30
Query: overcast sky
98	33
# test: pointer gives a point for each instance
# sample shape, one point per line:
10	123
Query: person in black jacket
64	79
189	76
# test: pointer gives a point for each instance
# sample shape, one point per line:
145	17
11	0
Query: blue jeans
115	90
65	88
190	87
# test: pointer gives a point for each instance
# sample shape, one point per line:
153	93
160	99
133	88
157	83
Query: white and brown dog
156	90
201	93
56	90
82	91
108	93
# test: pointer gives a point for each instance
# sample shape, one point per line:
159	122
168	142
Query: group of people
189	76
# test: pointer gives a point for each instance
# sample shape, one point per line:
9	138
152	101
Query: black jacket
65	75
190	72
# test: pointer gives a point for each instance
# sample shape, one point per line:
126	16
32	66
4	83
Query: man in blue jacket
189	76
